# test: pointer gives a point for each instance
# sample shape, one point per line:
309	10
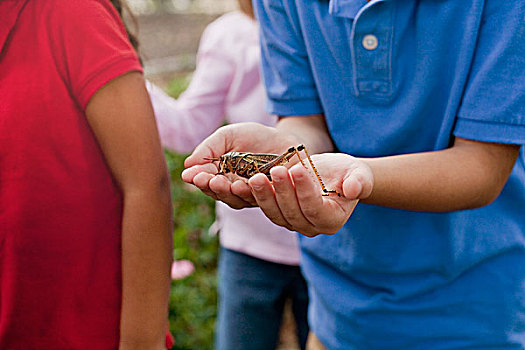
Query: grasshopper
247	164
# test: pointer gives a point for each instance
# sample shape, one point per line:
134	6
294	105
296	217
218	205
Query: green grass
193	300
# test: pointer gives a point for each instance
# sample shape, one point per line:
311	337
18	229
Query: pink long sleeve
185	122
226	86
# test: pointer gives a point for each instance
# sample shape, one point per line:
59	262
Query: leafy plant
178	84
193	300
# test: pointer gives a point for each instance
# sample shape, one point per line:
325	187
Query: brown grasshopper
247	164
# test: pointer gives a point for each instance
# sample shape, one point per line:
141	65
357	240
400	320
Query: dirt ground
168	45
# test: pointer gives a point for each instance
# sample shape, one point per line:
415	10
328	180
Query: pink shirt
226	87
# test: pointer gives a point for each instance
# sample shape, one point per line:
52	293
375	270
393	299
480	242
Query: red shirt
60	210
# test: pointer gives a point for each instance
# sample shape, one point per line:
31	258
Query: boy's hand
241	137
294	199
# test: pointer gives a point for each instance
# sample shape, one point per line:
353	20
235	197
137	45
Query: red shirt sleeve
90	45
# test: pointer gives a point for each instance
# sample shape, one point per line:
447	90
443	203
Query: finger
212	147
201	180
264	195
327	214
358	185
286	196
242	190
352	188
221	187
189	173
308	194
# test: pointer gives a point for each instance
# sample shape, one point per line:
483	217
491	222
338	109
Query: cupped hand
240	137
294	197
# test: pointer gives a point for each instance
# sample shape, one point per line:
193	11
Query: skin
122	120
467	175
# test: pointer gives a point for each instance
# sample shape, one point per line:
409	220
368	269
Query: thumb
212	147
358	184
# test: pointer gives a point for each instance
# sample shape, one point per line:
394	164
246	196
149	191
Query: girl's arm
122	120
184	122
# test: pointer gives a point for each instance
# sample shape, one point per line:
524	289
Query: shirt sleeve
185	122
290	86
91	46
493	105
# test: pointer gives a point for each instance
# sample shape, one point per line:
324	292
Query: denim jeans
252	294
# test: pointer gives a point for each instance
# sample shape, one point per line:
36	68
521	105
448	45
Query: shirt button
370	42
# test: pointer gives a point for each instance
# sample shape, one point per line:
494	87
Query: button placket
371	38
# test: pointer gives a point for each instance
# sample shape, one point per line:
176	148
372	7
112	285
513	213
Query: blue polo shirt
397	77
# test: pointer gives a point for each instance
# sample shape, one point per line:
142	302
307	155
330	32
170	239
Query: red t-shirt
60	210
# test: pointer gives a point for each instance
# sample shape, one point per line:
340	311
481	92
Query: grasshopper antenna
213	159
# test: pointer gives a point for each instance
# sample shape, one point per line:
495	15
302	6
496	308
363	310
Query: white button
370	42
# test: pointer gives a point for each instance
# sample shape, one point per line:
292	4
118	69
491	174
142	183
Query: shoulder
500	8
79	22
88	13
232	21
504	15
74	7
88	42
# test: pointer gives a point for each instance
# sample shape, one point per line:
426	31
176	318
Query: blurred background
169	33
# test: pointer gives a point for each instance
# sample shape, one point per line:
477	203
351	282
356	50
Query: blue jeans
252	294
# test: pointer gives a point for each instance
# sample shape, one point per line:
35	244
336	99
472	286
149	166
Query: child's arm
468	175
184	122
122	120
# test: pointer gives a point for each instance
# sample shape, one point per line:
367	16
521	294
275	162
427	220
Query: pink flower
181	269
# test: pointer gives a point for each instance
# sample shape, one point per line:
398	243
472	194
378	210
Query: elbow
485	169
163	184
485	195
151	188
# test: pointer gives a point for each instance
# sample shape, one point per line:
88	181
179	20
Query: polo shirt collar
348	8
9	12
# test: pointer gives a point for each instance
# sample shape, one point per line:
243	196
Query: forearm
146	261
122	120
185	122
466	176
